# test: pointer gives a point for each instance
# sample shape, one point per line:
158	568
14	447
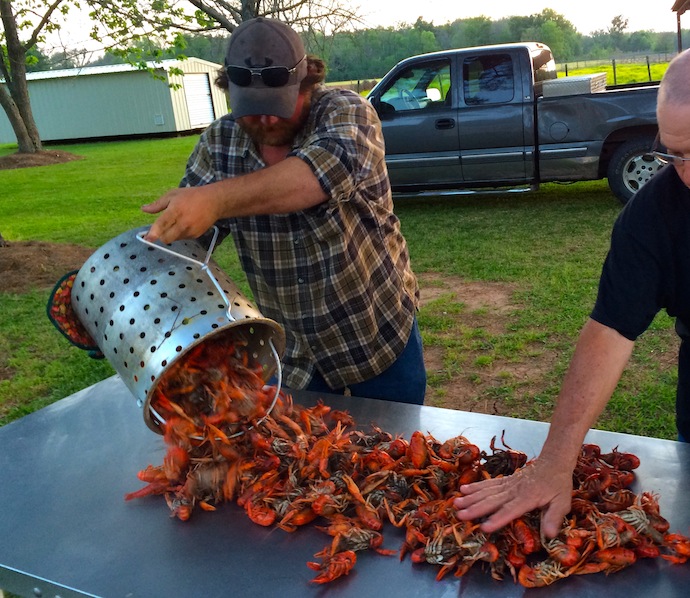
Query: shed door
197	90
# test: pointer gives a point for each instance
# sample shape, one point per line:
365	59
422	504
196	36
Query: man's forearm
288	186
188	212
595	369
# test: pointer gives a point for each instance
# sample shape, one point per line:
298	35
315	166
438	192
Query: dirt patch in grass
29	265
6	373
42	158
474	382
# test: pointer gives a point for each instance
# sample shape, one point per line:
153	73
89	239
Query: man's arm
188	212
595	369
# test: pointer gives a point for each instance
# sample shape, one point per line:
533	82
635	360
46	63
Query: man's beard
278	134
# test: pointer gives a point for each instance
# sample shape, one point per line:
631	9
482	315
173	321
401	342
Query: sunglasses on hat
272	76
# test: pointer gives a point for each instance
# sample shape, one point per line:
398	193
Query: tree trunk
25	142
15	99
28	138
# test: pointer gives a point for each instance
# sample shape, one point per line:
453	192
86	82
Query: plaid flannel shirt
336	276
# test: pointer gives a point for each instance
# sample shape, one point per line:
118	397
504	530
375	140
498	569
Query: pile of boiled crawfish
291	465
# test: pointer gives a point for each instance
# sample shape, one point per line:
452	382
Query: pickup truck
497	118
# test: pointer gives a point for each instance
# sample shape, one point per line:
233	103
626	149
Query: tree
166	21
640	41
618	25
37	61
557	32
133	30
617	30
14	95
477	31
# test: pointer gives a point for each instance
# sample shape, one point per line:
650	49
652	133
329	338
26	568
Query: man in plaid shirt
296	174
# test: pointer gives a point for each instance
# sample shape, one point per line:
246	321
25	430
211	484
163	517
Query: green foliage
477	31
369	53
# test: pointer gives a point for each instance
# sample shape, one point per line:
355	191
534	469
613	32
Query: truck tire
631	166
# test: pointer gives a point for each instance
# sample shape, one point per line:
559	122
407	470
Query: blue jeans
404	381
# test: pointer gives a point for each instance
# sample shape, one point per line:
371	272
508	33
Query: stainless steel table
65	529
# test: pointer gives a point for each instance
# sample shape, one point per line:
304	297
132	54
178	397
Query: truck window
422	87
488	79
544	64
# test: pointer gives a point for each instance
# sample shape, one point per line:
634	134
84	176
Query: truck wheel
631	167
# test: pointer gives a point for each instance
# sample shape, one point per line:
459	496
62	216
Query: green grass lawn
91	200
548	246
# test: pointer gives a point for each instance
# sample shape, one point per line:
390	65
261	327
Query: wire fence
633	58
638	67
629	68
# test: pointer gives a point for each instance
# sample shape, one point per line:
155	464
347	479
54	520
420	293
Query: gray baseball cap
265	64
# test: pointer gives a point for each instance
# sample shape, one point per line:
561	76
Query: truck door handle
445	123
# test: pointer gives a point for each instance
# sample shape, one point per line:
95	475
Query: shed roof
105	69
680	6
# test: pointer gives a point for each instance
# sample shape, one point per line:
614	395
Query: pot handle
203	265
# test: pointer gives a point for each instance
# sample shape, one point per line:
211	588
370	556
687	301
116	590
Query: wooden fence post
615	80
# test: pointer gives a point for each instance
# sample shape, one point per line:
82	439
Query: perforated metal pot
146	305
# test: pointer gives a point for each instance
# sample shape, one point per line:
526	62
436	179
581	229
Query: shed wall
114	104
101	106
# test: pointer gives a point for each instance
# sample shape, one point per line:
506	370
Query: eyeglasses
664	156
272	76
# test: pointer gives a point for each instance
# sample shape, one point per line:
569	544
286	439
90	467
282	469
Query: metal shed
120	100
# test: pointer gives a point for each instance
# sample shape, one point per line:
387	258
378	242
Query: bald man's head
675	84
673	113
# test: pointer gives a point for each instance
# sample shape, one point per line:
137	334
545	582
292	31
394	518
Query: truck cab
463	117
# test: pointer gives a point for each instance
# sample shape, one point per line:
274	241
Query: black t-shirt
648	269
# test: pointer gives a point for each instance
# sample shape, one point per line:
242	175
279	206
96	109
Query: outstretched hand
187	213
503	499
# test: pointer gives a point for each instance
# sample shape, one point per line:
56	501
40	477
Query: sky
585	15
